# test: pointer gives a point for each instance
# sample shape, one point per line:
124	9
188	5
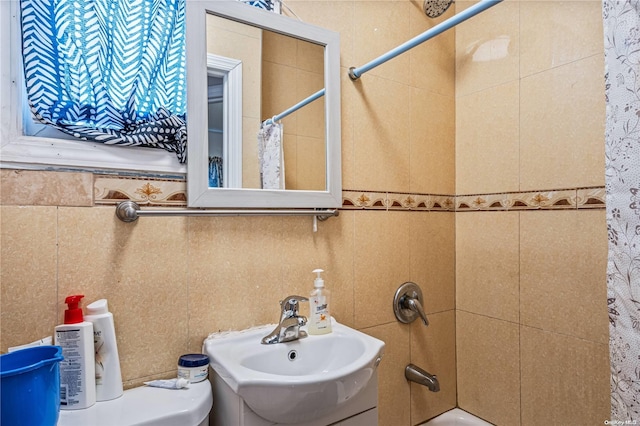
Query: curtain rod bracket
352	73
323	217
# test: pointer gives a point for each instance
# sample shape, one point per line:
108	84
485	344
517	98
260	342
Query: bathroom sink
295	381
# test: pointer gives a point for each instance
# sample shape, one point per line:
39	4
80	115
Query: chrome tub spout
418	375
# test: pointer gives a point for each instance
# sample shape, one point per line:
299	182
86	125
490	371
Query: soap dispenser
77	370
320	321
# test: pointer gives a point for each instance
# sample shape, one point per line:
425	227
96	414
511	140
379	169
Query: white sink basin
296	381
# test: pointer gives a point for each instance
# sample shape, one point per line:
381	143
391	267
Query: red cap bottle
73	314
78	369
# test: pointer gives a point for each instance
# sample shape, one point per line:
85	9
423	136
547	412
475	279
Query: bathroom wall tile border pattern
146	192
564	199
111	190
158	192
364	200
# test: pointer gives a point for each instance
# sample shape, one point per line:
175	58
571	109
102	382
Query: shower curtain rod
470	12
129	211
296	107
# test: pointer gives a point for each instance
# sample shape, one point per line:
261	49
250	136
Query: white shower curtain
622	151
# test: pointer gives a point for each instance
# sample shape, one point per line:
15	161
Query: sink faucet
290	322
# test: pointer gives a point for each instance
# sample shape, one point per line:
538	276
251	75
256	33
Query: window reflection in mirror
215	102
224	121
278	72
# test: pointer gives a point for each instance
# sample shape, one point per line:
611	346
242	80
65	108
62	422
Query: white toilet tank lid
147	406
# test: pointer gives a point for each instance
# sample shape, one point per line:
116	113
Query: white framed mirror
244	67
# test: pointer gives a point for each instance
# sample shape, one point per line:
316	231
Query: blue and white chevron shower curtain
109	71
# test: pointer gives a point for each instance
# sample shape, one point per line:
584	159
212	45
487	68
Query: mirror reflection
215	129
274	72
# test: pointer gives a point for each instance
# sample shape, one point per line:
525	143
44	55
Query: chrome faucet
290	322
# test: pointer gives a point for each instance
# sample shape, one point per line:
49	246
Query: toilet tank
147	406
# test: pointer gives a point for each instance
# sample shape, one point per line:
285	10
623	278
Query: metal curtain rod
296	107
129	211
470	12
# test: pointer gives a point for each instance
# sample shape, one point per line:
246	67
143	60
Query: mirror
246	66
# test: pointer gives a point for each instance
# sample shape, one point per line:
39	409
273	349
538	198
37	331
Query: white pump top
318	282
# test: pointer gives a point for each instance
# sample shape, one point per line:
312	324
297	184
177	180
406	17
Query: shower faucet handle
407	304
413	303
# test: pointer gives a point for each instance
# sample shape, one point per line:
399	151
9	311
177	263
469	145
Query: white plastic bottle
107	363
320	321
77	370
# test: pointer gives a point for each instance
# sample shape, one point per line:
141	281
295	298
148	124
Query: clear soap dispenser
320	321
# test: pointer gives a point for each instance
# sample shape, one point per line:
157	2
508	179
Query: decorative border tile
591	198
144	191
563	199
168	192
481	202
420	202
358	200
541	200
364	200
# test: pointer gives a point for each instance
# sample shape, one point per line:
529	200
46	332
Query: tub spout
418	375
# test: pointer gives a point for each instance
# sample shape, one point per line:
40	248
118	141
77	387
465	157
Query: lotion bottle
77	370
107	363
320	321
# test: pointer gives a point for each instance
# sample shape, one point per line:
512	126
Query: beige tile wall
531	291
531	323
171	281
539	125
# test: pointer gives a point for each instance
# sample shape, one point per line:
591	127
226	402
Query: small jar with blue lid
193	367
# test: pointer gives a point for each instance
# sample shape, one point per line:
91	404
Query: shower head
435	8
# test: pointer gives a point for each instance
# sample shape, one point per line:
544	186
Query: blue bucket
30	386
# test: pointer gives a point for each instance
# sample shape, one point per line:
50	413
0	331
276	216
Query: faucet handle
291	303
414	304
407	303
